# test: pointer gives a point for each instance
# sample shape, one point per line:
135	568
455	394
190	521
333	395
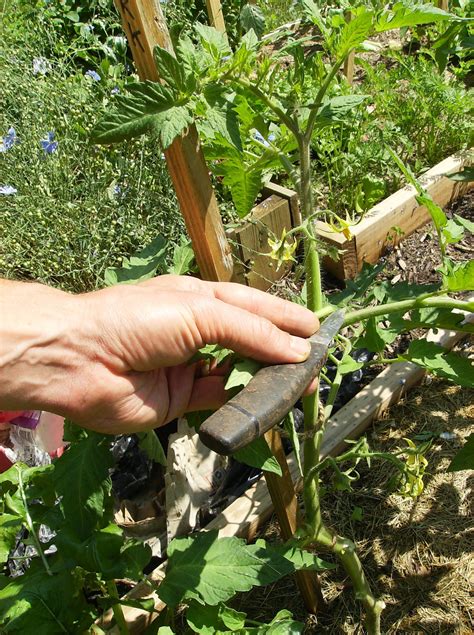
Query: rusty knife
268	397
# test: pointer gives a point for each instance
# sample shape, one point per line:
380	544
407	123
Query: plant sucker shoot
255	116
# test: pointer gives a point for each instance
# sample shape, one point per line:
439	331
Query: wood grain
216	16
267	220
145	28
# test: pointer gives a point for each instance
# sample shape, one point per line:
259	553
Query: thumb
248	334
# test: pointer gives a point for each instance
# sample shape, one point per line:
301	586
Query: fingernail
300	346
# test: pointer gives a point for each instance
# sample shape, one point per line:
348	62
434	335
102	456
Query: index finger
288	316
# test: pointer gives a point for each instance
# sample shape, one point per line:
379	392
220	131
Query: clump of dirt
416	554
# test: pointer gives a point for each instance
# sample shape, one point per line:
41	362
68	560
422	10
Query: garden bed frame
375	233
278	211
383	227
245	516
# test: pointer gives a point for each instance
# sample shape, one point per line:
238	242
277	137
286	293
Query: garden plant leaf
81	477
464	459
212	570
258	454
437	360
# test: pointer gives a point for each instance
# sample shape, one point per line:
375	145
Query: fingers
286	315
208	394
247	333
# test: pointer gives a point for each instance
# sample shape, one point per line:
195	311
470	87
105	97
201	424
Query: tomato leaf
82	479
135	113
211	570
458	277
242	373
402	16
151	445
208	620
10	526
258	454
464	459
437	360
354	33
141	266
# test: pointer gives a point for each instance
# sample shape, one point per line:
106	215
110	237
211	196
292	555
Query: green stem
29	524
313	423
336	383
117	608
282	116
319	98
440	302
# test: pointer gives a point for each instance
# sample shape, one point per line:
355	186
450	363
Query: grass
82	207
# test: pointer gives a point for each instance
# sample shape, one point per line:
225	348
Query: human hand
119	360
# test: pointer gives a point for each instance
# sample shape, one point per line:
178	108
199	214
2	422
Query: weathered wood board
278	212
372	236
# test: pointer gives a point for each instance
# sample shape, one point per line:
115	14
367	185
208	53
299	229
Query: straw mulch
417	554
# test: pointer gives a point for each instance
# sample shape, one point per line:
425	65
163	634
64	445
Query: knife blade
268	397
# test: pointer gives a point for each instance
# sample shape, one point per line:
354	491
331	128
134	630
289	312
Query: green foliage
435	359
81	477
464	459
149	443
36	602
211	570
258	454
251	17
140	267
208	619
73	498
81	208
241	373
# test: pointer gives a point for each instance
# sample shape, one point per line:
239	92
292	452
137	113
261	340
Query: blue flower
41	66
7	190
49	145
8	140
259	137
117	190
94	75
271	137
115	90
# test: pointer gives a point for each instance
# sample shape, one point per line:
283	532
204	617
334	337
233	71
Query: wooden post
145	28
216	17
349	62
283	495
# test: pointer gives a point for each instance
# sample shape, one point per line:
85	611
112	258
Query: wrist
44	346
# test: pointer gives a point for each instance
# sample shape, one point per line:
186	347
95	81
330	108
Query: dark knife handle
265	401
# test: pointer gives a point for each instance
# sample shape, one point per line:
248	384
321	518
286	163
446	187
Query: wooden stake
145	28
349	62
216	16
283	496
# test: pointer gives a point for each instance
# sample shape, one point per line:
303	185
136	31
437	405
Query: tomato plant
254	113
